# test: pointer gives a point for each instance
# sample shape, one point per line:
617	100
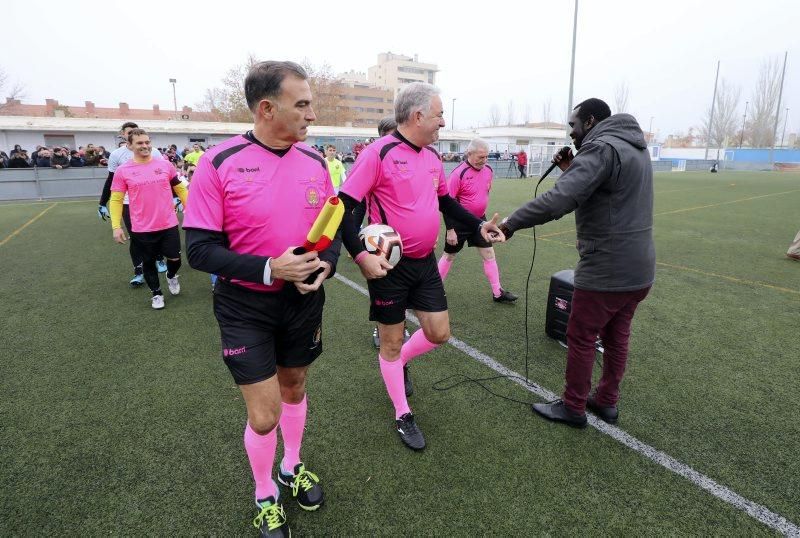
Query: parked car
453	157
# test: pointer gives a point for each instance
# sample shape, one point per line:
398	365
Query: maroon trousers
609	316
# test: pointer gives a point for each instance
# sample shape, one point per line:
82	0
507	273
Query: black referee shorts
473	239
412	283
261	331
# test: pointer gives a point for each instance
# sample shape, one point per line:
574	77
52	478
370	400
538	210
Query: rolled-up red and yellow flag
324	228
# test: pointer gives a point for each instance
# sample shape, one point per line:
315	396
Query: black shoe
409	432
558	412
376	339
305	487
409	386
606	414
271	519
505	297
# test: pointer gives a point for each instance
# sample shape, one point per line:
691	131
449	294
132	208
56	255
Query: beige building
370	104
394	71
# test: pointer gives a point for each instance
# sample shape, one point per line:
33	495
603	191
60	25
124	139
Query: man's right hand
451	237
563	160
294	267
119	235
102	213
373	267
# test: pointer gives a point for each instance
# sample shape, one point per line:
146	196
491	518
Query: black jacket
609	185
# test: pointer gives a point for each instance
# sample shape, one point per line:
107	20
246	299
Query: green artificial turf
117	419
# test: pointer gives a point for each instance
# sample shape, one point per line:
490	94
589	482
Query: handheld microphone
563	152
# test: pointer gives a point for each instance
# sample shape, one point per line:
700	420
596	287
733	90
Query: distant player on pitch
470	184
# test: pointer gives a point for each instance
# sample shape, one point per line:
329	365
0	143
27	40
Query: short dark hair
128	124
264	80
593	107
386	124
136	132
329	146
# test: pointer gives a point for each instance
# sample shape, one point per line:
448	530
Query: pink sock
493	275
261	453
392	373
293	422
416	346
444	266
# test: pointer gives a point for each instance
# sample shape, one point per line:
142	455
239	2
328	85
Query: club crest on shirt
312	196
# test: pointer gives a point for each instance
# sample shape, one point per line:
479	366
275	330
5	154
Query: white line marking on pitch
754	510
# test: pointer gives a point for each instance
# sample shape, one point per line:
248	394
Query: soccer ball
382	240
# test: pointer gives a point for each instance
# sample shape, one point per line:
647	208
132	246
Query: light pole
711	116
572	67
453	114
650	131
174	97
744	121
785	119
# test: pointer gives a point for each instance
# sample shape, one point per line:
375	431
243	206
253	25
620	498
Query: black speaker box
559	303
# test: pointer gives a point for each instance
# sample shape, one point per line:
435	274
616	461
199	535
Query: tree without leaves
761	119
726	116
526	114
547	115
17	91
621	98
510	112
327	94
229	103
494	115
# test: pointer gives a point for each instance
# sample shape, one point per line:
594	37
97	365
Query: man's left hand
304	288
491	232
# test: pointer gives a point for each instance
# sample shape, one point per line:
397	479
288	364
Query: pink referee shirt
402	184
264	200
149	189
471	187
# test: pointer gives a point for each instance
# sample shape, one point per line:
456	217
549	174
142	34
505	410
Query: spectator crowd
61	157
54	157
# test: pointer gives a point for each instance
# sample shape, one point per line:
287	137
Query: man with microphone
609	185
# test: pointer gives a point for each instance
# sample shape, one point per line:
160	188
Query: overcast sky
666	52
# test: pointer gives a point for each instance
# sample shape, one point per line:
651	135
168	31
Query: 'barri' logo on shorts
248	170
381	302
317	338
231	352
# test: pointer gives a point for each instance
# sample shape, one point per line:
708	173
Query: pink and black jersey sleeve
204	208
363	176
